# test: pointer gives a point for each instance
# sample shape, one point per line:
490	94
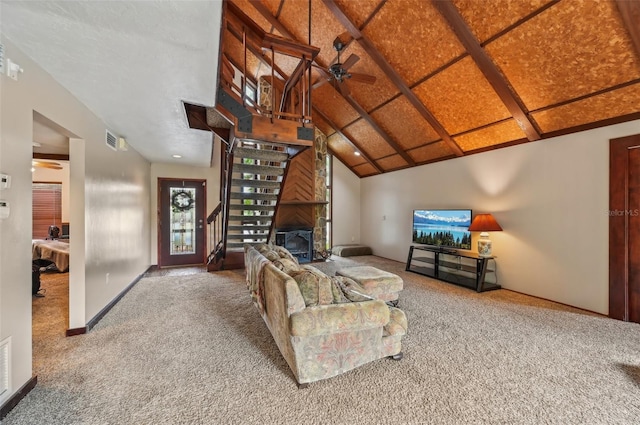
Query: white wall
57	176
551	198
346	205
110	208
211	175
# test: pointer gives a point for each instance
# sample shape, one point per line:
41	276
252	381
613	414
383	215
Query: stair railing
226	200
215	231
218	220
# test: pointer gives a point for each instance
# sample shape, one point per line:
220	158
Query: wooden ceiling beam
630	12
51	156
356	146
369	119
266	13
488	68
393	75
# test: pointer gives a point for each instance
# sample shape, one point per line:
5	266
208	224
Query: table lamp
484	223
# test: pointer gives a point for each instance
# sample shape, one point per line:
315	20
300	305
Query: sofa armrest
335	318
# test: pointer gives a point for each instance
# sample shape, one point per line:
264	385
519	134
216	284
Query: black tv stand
462	268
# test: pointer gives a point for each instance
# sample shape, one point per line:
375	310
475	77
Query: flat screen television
444	228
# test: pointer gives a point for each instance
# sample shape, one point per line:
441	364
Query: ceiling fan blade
363	78
320	82
324	77
43	164
351	60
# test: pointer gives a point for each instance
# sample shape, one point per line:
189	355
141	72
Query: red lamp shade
484	223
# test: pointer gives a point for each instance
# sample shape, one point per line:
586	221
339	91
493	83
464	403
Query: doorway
50	216
624	228
181	214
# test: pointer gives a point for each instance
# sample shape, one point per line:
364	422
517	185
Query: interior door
181	230
624	229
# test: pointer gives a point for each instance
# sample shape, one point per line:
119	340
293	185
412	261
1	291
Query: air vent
5	349
112	140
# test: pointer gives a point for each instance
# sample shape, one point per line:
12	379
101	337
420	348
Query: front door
624	229
181	230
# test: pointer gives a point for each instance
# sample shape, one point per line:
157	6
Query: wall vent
112	140
5	360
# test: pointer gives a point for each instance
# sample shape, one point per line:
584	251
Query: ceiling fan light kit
338	72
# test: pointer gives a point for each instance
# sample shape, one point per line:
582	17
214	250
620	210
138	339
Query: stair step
256	196
241	244
265	184
257	238
250	227
252	207
263	170
262	154
251	219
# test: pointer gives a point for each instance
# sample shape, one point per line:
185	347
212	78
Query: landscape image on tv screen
447	228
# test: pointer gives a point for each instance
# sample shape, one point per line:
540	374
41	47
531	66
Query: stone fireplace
298	242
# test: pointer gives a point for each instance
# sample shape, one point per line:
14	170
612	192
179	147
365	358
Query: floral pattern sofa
323	326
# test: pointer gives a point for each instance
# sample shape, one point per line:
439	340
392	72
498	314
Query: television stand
461	268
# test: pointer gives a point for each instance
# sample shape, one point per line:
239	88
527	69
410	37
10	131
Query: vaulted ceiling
454	78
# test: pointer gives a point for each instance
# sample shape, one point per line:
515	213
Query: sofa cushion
314	285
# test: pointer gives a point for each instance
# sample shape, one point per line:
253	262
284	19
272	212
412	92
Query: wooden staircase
264	135
258	173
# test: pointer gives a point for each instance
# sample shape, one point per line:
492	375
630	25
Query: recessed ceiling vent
112	140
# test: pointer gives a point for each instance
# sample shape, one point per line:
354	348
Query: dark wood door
624	229
181	229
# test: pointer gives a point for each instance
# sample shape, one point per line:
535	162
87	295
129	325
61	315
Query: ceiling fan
338	72
46	164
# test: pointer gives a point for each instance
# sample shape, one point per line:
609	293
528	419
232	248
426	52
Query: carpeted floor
194	350
50	317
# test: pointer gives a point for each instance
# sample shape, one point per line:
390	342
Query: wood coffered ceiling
457	77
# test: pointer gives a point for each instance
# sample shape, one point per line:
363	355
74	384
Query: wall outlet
353	238
106	278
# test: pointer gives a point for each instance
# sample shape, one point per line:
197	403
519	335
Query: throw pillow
262	248
284	253
271	255
286	265
336	291
314	285
352	289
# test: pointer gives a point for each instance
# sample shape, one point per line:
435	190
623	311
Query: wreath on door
182	201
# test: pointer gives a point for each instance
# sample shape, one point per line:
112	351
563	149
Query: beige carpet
193	350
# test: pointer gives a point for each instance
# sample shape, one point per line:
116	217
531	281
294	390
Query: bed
55	251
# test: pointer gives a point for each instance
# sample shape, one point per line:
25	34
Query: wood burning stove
298	241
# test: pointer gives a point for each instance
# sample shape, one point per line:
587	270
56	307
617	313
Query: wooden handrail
227	195
214	213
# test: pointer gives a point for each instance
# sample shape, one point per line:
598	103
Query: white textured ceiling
131	62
